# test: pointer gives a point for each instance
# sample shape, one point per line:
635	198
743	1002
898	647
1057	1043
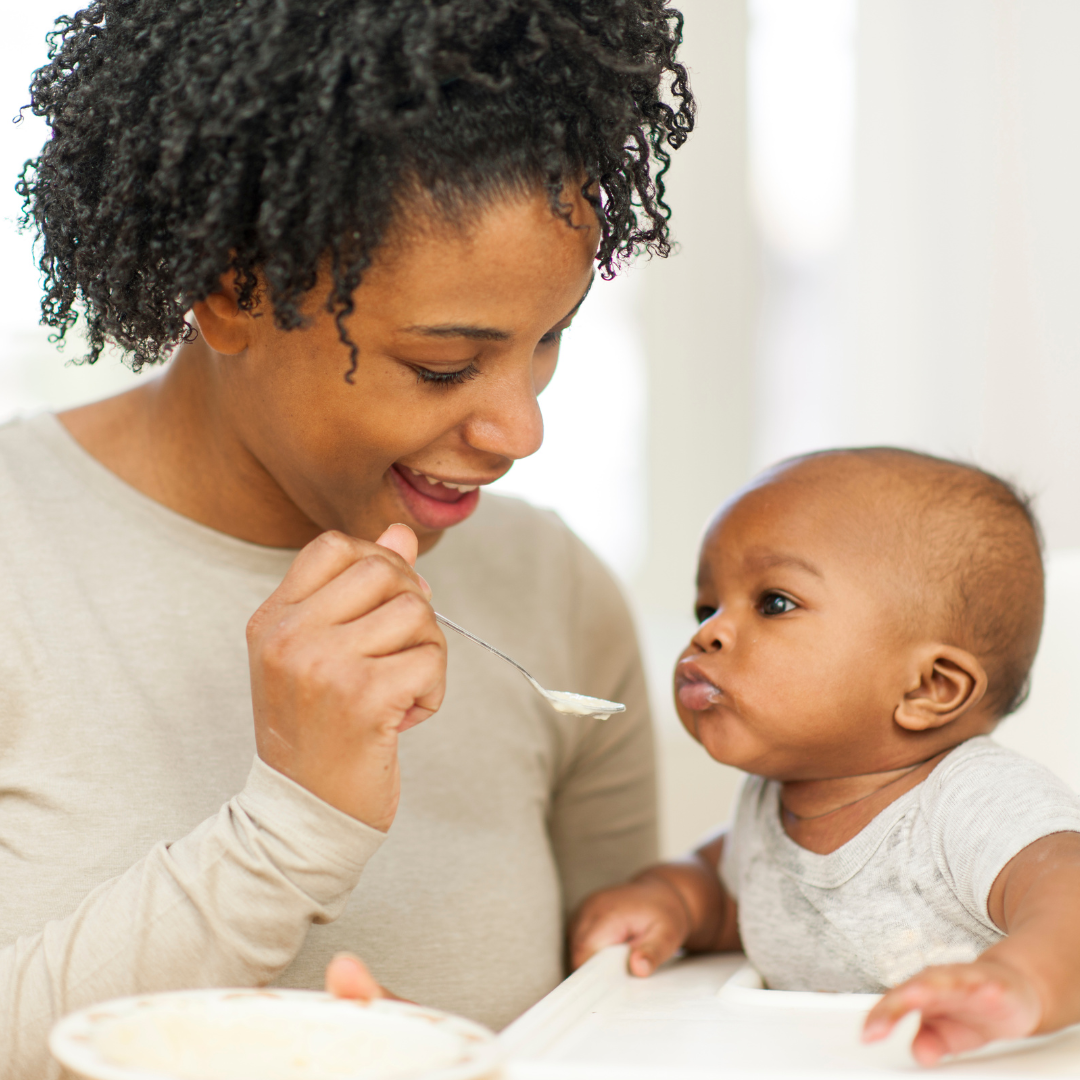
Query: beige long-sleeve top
144	847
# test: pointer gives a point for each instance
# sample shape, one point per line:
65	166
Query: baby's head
860	610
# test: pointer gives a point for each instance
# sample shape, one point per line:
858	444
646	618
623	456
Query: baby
866	619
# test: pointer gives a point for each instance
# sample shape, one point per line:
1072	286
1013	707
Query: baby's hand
963	1006
647	914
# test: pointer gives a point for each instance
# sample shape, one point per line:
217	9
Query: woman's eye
775	604
552	337
701	613
446	378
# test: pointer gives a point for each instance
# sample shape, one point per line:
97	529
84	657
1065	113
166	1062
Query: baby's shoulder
985	773
985	803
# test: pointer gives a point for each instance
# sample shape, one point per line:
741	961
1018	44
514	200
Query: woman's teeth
444	483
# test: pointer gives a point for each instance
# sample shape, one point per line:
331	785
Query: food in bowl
269	1035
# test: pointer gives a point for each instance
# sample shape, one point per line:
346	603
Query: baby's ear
951	682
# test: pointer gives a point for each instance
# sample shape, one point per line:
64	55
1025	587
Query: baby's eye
775	604
701	612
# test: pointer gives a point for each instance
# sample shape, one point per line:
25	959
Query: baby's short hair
971	541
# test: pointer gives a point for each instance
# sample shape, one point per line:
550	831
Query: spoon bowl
561	700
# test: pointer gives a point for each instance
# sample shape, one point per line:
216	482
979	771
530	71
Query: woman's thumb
402	539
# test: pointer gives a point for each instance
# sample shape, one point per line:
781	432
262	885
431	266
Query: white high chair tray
703	1017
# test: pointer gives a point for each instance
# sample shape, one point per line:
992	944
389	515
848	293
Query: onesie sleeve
603	811
985	804
227	905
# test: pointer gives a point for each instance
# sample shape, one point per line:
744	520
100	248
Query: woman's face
457	331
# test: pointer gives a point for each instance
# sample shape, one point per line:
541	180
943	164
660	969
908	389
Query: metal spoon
561	700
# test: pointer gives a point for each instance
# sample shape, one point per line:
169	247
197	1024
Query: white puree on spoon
267	1039
582	705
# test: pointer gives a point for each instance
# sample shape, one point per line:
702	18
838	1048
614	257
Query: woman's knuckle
378	570
413	607
333	540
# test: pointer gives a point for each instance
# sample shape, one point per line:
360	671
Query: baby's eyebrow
766	560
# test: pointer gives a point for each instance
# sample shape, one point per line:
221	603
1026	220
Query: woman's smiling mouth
434	503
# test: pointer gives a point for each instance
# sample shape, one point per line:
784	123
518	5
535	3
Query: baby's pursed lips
694	691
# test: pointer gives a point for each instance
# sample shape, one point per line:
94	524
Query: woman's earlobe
224	326
951	683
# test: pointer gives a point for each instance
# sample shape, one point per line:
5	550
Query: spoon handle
480	641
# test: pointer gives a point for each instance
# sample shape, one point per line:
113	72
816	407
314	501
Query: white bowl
269	1035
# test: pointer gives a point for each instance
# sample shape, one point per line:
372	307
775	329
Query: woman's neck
823	815
169	440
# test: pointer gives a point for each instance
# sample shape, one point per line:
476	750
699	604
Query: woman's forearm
229	904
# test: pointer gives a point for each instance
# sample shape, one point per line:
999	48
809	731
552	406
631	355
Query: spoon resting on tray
561	700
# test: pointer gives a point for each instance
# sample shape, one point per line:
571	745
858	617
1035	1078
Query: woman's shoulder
31	473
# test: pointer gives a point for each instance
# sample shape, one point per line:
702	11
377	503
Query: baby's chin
723	735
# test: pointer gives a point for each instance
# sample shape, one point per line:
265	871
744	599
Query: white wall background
877	220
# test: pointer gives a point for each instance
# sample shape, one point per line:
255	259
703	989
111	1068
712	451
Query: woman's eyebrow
477	333
486	333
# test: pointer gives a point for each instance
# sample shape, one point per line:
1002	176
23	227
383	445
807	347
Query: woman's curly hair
276	138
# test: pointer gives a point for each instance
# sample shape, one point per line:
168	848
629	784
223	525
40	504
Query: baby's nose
711	634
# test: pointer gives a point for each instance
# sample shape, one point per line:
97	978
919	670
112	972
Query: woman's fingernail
424	585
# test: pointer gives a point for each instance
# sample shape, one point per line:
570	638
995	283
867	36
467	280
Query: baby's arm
665	908
1024	985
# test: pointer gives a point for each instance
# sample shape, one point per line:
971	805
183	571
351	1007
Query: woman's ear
951	682
222	323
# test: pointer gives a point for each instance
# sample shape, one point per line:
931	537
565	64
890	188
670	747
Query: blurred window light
801	116
34	373
801	71
591	467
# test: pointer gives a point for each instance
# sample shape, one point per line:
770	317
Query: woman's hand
647	914
963	1006
345	655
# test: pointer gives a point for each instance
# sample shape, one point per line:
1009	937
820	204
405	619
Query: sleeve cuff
304	823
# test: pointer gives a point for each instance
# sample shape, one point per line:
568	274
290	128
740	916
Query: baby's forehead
805	507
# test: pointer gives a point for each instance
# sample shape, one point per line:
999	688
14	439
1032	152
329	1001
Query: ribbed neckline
208	543
832	870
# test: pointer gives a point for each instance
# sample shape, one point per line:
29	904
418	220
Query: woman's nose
509	422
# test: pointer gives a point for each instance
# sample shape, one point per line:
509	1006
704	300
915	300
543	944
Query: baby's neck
822	815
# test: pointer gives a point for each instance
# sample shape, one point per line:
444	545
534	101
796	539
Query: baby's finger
928	1047
658	944
941	1035
895	1005
592	934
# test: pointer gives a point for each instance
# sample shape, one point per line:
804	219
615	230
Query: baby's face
800	659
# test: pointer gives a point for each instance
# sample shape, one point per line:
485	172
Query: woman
367	223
